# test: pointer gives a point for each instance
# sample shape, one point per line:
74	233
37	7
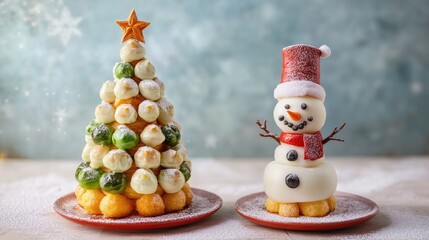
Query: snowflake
36	9
211	141
416	88
61	114
65	26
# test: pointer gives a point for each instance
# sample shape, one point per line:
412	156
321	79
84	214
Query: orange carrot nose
294	115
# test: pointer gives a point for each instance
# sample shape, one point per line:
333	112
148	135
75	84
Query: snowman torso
286	184
293	156
292	177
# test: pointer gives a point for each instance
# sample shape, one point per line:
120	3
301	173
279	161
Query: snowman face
300	114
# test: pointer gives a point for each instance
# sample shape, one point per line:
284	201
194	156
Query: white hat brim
299	88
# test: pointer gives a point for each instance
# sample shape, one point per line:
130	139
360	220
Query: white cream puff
144	70
86	150
152	135
125	113
88	139
117	160
132	51
148	110
126	88
144	181
181	149
166	111
150	90
147	157
107	91
177	125
161	85
171	180
96	155
105	113
171	159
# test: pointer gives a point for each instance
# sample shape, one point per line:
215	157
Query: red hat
301	72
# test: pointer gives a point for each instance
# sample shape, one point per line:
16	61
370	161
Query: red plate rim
305	225
64	204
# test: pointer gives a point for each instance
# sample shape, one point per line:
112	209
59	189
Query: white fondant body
280	156
315	109
317	178
315	183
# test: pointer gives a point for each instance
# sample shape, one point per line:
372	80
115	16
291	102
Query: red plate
203	205
351	210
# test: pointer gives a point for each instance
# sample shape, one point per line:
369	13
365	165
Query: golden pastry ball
174	201
314	209
129	173
130	193
332	203
78	193
159	190
116	206
289	210
90	201
272	206
134	101
149	205
188	193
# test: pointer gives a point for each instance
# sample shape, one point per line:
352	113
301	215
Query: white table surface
399	186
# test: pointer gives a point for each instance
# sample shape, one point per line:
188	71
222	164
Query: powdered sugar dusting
349	208
313	146
202	204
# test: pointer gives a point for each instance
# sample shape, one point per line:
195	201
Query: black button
292	180
292	155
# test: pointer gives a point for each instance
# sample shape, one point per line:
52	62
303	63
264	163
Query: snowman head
300	114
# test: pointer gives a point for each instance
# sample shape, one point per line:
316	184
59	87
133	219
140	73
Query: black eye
287	106
303	106
310	119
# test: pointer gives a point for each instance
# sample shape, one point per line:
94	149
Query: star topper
132	27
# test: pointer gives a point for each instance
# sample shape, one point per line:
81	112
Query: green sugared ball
89	178
125	138
186	170
102	134
172	135
123	70
81	166
91	126
114	183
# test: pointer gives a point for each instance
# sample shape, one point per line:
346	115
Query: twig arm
267	133
331	136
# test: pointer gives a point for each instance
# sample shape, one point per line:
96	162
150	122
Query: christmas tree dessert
134	159
299	181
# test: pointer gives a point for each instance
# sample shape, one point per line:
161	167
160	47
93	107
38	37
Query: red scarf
312	143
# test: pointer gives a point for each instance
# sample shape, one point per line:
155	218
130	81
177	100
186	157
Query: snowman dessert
299	181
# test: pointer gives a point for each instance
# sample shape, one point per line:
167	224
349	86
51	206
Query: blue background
220	61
